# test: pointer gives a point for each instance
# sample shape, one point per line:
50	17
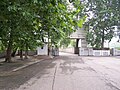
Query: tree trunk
14	52
48	44
26	52
9	51
21	54
102	44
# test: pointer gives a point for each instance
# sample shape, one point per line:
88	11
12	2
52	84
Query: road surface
67	72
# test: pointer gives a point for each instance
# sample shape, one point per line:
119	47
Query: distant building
43	50
80	37
115	42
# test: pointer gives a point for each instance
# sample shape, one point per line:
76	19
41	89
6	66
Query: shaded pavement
66	72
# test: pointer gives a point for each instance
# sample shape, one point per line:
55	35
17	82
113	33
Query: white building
44	49
80	37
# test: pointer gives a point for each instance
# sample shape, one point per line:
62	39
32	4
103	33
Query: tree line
25	23
100	27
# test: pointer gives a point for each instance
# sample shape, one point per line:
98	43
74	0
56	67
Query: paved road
67	72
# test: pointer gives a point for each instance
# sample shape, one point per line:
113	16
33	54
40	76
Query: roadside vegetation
103	16
25	23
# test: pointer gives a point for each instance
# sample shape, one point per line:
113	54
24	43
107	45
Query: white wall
79	43
42	51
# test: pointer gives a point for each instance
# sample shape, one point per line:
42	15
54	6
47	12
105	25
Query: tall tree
16	17
103	15
25	23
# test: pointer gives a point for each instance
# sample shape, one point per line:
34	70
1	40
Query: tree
100	26
8	21
25	23
16	19
58	22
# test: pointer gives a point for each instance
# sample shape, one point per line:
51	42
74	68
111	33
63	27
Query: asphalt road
66	72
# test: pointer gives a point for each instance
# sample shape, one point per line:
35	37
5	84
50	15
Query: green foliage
24	23
2	47
100	26
81	22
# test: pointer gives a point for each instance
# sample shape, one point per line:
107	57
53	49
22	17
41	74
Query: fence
85	51
101	52
91	52
115	52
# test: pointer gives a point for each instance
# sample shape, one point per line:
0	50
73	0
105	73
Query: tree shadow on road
70	64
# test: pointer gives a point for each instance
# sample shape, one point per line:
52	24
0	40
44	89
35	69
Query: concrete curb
28	64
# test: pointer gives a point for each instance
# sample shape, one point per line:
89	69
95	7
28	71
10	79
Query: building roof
78	34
